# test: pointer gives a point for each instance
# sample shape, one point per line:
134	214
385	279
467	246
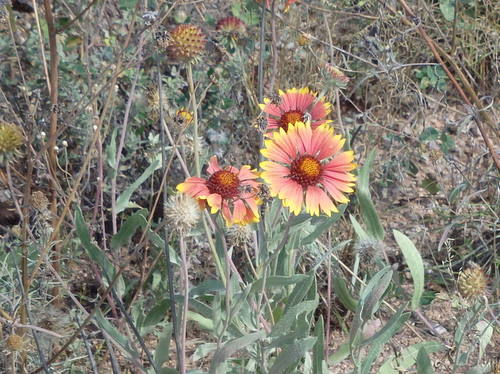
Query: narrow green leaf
128	229
360	231
92	250
344	295
277	281
416	265
286	321
408	357
204	323
291	354
370	216
231	347
299	291
342	352
424	365
123	200
318	355
163	347
325	224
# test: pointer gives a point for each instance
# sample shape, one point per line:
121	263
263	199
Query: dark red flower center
224	183
289	118
306	171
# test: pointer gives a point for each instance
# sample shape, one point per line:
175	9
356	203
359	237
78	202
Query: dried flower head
334	77
183	116
14	343
153	95
182	212
472	282
39	201
239	234
232	26
11	138
186	44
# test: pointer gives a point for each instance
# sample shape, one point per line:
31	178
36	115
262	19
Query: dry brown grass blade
438	53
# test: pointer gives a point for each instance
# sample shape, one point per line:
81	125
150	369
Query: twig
170	271
87	348
185	304
77	17
194	107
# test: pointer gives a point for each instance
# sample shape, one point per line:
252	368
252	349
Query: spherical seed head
239	234
39	201
472	282
11	138
182	212
14	343
231	25
186	43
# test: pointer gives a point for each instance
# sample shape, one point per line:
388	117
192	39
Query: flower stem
194	107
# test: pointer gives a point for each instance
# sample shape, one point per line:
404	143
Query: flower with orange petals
230	190
231	25
295	105
306	167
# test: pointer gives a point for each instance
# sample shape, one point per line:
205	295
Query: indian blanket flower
230	190
295	105
231	25
306	167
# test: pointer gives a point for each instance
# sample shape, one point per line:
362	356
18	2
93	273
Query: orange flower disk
295	105
230	190
306	168
186	42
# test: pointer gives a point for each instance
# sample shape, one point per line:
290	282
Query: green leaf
204	323
286	321
447	8
127	4
291	354
277	281
416	265
431	185
447	143
92	250
123	200
408	357
324	224
299	291
163	347
342	352
231	347
368	301
429	134
424	365
114	334
368	211
318	356
341	291
128	229
360	232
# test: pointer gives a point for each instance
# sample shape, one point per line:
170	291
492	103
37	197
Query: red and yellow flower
306	167
230	190
295	105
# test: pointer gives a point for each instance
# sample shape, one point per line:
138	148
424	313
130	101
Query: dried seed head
14	343
232	26
39	201
334	76
187	42
153	95
472	282
11	138
182	212
239	234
